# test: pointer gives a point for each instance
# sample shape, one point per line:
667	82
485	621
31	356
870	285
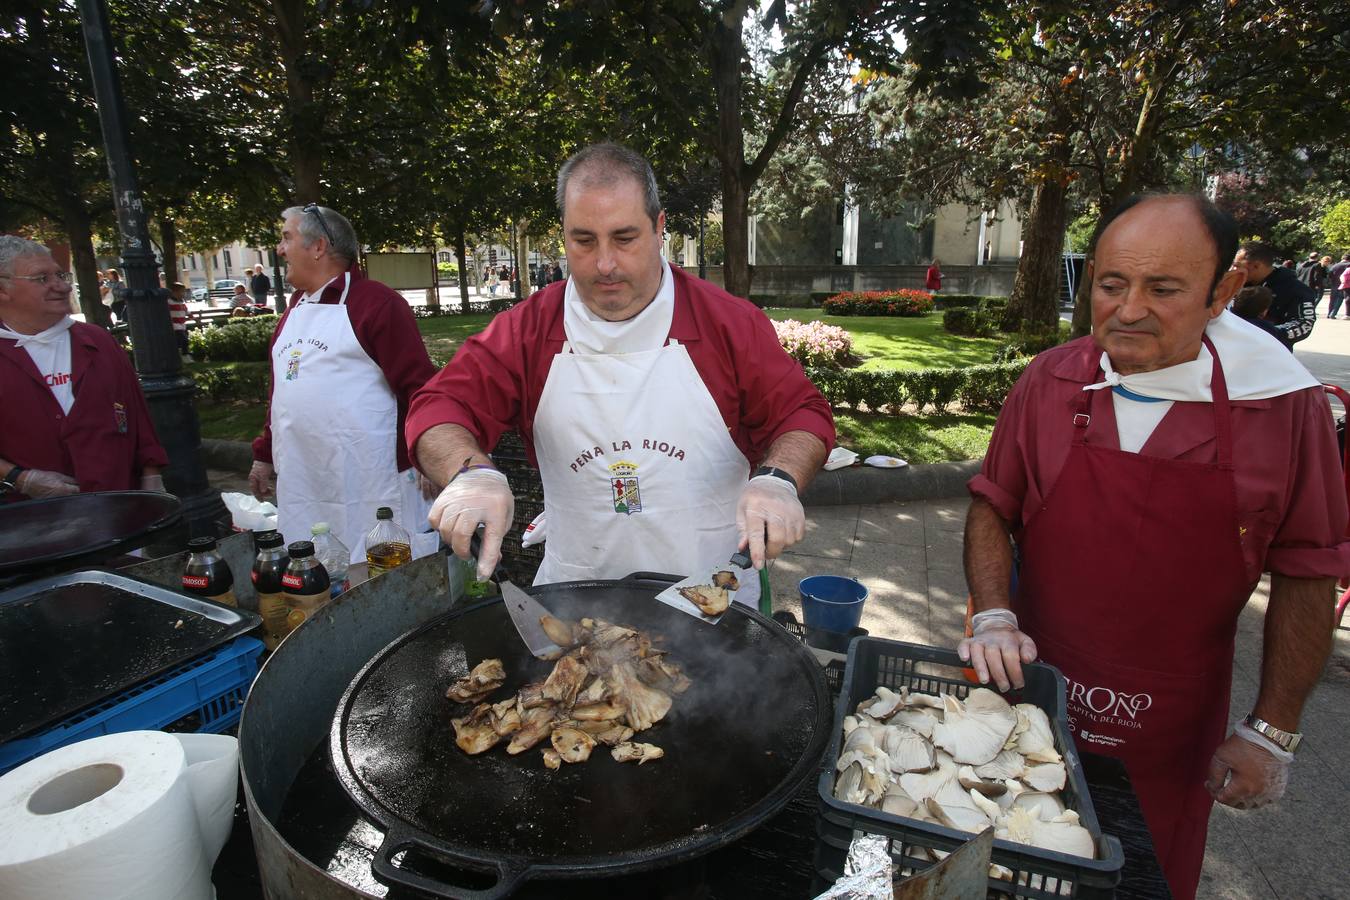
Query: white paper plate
885	462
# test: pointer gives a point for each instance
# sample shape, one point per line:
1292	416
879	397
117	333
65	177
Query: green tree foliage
1336	226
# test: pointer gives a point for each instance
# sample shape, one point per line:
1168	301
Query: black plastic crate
834	669
1037	873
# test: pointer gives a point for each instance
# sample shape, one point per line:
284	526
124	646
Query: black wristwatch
776	473
11	481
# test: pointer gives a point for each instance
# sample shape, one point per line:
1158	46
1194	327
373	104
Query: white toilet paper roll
133	815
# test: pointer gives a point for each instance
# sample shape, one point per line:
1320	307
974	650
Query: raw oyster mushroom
974	731
1037	741
907	750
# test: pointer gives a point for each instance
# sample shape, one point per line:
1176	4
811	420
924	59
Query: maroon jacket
107	439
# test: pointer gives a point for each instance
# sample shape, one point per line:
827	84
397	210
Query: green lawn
444	334
917	439
900	343
884	342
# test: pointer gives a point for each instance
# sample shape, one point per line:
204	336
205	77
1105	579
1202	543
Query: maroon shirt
1291	496
386	329
495	380
106	440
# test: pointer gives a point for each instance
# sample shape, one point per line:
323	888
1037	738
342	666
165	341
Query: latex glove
426	486
36	483
1247	770
473	498
997	649
260	476
770	518
153	482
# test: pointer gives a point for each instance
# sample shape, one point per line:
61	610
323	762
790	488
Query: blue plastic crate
203	694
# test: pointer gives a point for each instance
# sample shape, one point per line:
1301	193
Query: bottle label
195	582
292	581
254	576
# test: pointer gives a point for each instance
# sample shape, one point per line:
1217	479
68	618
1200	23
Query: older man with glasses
72	415
346	358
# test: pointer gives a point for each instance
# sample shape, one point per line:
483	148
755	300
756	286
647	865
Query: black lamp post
168	392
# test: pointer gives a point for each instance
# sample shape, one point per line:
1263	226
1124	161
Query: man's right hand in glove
260	479
478	496
36	483
996	649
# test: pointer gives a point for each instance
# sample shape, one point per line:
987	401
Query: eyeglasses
314	208
45	278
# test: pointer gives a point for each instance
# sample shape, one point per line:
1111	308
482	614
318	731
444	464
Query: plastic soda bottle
388	546
207	574
268	569
334	555
306	584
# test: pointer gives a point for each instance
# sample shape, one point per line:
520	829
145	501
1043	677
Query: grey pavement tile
948	514
1230	871
831	538
833	511
944	549
946	607
892	523
889	567
784	573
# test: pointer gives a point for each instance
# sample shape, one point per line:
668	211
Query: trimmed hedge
238	340
977	387
967	321
879	303
246	382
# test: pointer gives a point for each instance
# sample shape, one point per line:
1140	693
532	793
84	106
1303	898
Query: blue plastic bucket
832	602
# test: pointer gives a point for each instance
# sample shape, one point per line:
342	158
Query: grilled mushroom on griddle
638	753
609	683
485	678
711	600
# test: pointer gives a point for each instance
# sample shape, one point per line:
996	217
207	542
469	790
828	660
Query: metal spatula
525	610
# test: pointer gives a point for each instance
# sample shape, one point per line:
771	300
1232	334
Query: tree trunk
305	118
82	260
730	140
168	239
523	258
463	271
1034	304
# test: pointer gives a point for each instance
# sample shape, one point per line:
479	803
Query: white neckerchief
589	334
316	296
50	351
1255	367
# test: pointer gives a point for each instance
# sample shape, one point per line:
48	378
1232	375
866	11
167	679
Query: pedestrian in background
111	296
259	286
178	313
1334	275
933	279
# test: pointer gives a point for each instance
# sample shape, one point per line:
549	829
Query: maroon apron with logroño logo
1131	582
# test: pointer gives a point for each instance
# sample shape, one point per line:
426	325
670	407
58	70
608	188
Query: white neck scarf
50	351
1255	367
46	336
648	330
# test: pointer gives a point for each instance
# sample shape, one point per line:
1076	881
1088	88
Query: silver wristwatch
1285	740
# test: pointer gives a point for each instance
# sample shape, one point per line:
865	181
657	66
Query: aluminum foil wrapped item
867	871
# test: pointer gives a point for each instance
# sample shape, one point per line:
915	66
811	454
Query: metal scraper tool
525	610
963	875
672	597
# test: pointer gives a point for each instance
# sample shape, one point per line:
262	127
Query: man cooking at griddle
669	426
1149	473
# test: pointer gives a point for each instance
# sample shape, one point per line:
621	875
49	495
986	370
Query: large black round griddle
79	529
738	743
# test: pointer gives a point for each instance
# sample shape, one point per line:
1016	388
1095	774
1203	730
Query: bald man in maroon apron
1147	475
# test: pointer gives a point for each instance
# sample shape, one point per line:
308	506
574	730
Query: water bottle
333	554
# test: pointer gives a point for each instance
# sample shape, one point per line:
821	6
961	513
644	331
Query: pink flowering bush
904	302
814	343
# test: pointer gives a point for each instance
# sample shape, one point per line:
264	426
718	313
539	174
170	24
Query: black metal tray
74	639
37	535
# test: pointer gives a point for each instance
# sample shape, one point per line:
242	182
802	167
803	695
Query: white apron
639	471
334	428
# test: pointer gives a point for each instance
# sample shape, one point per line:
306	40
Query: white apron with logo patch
639	472
334	427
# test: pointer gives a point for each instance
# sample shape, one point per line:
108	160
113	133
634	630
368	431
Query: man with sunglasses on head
346	357
72	415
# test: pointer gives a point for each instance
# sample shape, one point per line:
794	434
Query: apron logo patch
623	487
120	417
293	365
1106	707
